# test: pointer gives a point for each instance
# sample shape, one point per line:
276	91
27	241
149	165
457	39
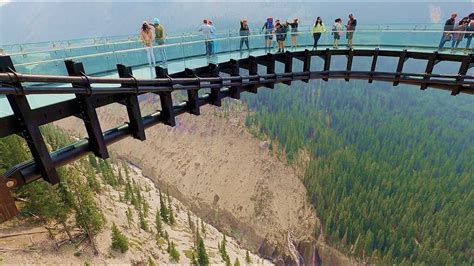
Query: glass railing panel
104	62
100	55
50	67
37	56
5	109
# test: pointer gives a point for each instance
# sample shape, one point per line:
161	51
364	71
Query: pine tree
129	214
91	177
151	261
120	179
203	228
163	209
119	240
145	207
174	254
128	191
248	260
193	259
190	222
89	217
143	223
171	213
223	251
158	224
237	262
93	161
202	256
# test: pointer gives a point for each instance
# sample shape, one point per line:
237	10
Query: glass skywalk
101	55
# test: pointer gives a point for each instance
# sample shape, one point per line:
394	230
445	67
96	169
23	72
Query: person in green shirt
160	37
318	28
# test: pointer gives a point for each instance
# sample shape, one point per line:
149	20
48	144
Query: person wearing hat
160	37
268	30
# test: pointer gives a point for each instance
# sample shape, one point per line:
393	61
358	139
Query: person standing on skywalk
213	37
458	33
318	29
146	36
337	32
244	33
267	29
350	27
294	33
160	37
206	30
470	29
280	32
447	31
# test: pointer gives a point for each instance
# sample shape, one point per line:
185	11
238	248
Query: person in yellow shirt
318	28
160	37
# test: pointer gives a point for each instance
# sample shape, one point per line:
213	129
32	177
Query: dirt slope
211	163
38	248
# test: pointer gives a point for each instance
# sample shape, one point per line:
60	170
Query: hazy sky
32	21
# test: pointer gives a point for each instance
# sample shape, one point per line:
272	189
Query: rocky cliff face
212	164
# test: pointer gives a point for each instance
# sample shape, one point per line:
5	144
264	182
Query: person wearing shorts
350	27
294	33
268	30
337	32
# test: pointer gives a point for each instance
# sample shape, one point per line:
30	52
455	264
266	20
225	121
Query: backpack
269	26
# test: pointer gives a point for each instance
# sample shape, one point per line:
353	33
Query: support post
30	128
350	58
306	63
465	64
88	113
270	63
193	95
327	63
167	110
253	70
235	72
133	107
429	68
215	92
401	62
288	65
374	63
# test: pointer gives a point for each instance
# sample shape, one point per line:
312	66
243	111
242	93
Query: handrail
191	35
217	40
166	84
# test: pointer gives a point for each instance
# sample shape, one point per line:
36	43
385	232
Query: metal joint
87	83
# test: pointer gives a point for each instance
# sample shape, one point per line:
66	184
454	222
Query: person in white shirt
207	30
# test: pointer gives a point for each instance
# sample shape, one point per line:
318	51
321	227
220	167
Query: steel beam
401	61
374	62
29	127
350	57
166	100
432	60
88	114
133	107
327	62
463	68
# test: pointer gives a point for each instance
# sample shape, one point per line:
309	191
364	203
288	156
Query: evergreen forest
391	172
